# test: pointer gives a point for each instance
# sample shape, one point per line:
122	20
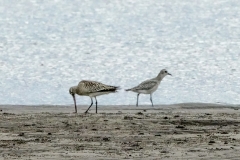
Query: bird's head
163	73
72	90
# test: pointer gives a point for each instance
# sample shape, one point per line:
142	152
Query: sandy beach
180	131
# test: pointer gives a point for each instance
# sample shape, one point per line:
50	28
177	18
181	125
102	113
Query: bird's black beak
169	74
75	104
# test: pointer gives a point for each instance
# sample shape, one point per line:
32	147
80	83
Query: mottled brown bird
91	89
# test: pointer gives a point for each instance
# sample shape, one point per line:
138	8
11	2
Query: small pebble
21	134
128	118
210	142
140	113
106	139
180	126
208	114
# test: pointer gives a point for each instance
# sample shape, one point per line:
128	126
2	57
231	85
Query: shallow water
48	46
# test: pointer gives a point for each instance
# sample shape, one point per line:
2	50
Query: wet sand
180	131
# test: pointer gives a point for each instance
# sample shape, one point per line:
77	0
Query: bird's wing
93	86
146	85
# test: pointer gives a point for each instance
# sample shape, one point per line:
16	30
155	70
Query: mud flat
180	131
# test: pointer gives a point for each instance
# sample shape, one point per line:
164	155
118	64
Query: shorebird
149	86
91	89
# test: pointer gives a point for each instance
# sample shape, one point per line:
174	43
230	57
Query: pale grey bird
149	86
91	89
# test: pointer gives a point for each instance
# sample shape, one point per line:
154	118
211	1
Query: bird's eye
165	71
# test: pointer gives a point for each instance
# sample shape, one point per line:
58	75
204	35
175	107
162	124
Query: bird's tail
109	89
117	88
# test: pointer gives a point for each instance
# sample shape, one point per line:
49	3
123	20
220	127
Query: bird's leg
90	105
96	104
151	99
137	98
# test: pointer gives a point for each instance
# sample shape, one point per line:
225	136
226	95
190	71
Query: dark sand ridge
179	131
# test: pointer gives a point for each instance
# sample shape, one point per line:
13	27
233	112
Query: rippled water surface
48	46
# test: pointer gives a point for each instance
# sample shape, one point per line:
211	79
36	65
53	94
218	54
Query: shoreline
114	108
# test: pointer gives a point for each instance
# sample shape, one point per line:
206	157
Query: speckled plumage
145	86
149	86
91	89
